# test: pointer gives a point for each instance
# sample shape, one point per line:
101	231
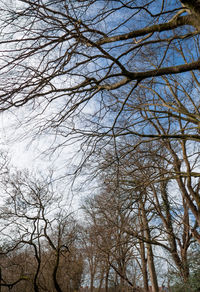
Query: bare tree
148	184
88	79
86	74
109	219
33	223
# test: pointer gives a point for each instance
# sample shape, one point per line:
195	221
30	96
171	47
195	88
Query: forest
107	93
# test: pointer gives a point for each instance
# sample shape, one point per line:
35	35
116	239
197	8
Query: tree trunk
144	266
150	256
106	280
91	282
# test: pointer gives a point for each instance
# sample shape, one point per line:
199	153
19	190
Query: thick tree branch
176	22
152	73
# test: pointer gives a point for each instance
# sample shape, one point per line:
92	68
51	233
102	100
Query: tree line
135	233
117	81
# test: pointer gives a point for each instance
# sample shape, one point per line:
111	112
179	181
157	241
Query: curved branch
11	285
174	23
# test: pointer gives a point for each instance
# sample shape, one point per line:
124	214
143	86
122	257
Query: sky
26	155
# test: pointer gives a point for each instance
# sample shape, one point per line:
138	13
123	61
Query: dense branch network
71	55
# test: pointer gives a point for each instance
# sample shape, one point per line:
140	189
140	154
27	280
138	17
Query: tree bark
150	256
144	266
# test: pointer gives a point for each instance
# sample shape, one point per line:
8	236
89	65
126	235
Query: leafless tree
83	73
35	226
107	220
149	188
